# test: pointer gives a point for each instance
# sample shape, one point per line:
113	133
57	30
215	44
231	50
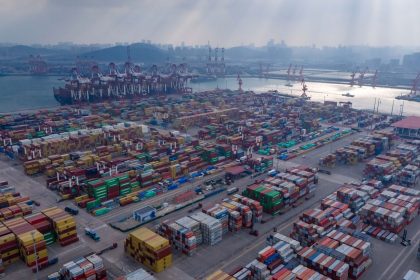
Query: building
412	61
408	127
235	172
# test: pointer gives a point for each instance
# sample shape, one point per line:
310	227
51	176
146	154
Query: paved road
239	249
235	249
34	187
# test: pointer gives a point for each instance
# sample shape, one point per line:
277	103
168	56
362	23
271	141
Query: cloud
222	22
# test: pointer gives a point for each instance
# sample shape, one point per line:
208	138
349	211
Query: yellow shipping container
9	253
164	159
65	220
80	198
26	238
65	157
51	211
10	261
150	239
49	172
31	258
66	226
67	234
161	264
7	238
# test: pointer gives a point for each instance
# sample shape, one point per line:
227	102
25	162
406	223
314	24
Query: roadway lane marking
101	227
170	194
71	250
247	250
408	254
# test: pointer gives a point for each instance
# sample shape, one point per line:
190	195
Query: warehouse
235	172
408	127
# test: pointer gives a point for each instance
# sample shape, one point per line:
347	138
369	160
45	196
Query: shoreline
272	77
32	110
57	105
321	81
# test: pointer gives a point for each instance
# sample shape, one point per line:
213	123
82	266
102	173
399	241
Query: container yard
149	248
210	185
191	148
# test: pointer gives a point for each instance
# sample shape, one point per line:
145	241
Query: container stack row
244	213
359	149
211	224
62	143
89	267
329	160
283	190
393	209
64	225
29	239
278	260
17	210
220	213
409	176
149	248
393	161
181	238
255	206
9	247
211	228
41	223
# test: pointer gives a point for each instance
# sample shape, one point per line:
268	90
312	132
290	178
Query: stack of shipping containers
283	191
28	238
89	267
149	248
211	228
181	238
64	225
9	246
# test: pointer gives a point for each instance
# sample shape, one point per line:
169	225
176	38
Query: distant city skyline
223	23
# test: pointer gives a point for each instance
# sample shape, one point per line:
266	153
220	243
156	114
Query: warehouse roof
409	122
235	170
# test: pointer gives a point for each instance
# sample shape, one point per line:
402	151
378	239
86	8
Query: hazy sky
222	22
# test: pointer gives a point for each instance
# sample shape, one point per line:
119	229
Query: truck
232	190
92	234
71	210
145	214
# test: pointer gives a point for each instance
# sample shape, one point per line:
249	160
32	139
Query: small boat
347	94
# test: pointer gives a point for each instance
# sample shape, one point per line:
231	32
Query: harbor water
19	93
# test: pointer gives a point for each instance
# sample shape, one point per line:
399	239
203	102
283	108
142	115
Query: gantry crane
294	72
288	72
362	76
416	82
374	78
37	65
304	89
353	77
239	83
301	73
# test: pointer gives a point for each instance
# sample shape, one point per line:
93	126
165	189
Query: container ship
204	78
133	83
414	94
408	97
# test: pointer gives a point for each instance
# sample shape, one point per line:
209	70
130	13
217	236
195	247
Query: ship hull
65	96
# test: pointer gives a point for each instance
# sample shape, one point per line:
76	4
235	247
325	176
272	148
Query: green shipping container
100	211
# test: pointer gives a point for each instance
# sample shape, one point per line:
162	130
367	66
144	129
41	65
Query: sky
222	22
